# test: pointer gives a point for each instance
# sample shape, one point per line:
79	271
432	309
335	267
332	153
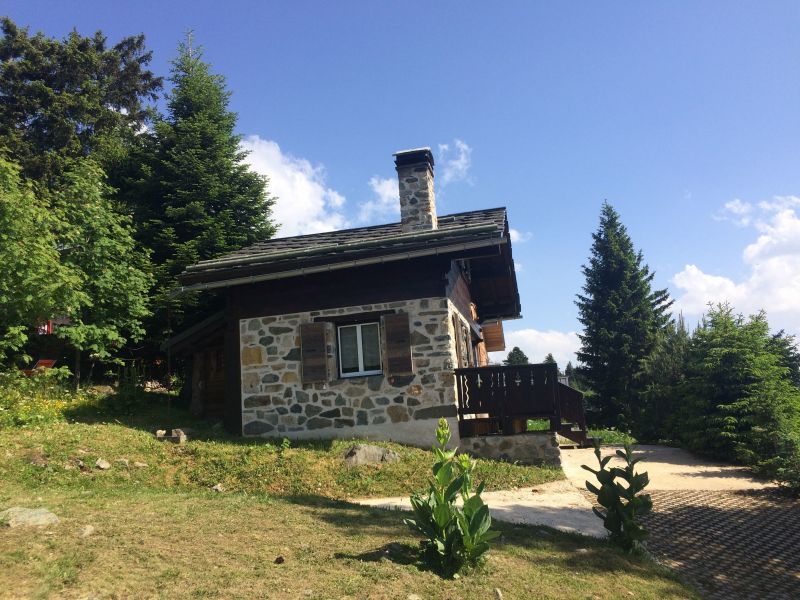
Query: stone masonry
532	448
417	198
275	402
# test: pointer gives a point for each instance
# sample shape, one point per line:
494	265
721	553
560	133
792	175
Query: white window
359	349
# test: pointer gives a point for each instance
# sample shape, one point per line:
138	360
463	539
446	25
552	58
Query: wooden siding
494	337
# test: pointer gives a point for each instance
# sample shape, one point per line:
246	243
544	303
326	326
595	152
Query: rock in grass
219	488
86	531
18	516
498	595
123	462
367	454
140	465
102	464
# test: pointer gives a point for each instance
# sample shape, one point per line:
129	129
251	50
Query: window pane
348	349
371	347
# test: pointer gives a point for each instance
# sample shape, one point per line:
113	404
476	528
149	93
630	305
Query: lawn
161	532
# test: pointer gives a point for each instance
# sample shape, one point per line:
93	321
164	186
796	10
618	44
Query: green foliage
516	357
97	243
67	99
455	537
622	316
195	197
34	284
622	504
738	401
36	400
663	373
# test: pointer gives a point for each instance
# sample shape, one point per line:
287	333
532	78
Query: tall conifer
622	316
203	199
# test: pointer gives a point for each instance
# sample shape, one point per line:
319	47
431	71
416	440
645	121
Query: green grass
154	543
43	456
612	436
161	532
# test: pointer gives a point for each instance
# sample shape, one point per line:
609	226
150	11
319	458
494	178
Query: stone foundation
532	448
275	402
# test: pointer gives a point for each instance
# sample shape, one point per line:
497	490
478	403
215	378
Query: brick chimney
417	200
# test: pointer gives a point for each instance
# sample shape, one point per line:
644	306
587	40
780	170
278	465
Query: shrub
455	537
40	398
622	503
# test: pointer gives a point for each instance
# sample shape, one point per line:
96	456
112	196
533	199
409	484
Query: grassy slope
161	532
211	457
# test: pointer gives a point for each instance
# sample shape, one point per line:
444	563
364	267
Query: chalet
374	332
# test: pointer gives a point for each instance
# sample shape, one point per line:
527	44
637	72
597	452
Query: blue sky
684	115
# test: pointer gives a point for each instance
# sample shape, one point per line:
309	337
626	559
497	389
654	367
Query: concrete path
566	506
668	468
557	504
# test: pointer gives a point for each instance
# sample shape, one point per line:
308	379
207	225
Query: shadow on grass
147	411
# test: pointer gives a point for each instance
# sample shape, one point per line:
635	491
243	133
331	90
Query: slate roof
284	254
493	216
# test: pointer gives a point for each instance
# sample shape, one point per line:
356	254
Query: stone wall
532	448
275	402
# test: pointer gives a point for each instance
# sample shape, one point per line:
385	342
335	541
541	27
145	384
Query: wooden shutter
313	354
398	344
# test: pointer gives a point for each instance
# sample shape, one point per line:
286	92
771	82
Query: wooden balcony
499	400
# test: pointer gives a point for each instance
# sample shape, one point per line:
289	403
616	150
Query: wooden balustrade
500	399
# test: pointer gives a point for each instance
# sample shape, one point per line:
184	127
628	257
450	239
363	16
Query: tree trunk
77	369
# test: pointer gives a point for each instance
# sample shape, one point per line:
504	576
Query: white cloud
772	282
736	211
305	204
453	162
518	267
518	236
536	344
385	205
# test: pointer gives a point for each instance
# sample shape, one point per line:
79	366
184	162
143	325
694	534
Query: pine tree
738	402
202	200
63	100
621	316
516	357
549	359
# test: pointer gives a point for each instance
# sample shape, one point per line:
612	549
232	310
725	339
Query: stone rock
252	355
18	516
177	436
367	454
498	595
436	412
330	414
140	465
397	414
417	339
293	354
278	330
102	464
123	462
413	597
401	380
219	488
256	401
257	428
86	531
318	423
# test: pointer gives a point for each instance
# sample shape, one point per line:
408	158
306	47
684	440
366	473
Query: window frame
359	349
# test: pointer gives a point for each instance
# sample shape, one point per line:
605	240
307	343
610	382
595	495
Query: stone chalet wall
275	403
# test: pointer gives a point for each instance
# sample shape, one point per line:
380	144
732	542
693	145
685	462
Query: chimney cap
413	157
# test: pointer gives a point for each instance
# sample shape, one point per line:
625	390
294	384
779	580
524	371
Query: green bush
38	399
455	537
622	503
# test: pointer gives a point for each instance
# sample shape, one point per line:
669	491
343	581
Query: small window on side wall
359	349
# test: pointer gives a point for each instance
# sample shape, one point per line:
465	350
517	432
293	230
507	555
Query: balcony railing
501	399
